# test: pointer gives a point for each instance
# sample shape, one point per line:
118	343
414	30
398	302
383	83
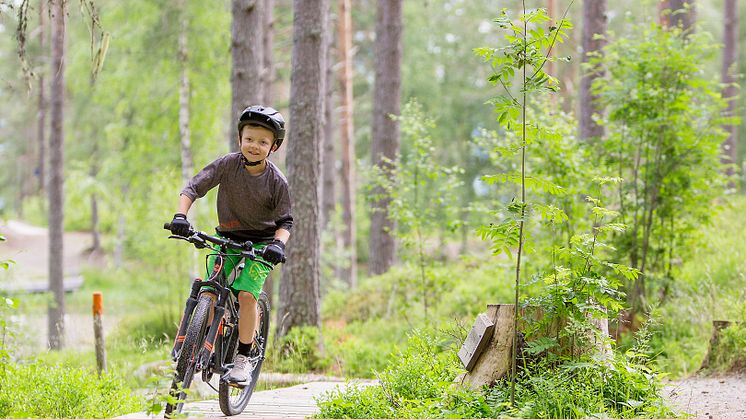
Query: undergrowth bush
616	387
38	390
297	352
358	349
419	383
730	353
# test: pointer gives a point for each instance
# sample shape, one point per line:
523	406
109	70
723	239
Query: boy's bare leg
247	317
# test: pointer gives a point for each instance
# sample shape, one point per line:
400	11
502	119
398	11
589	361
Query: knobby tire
186	363
233	400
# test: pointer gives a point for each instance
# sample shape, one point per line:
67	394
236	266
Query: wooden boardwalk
294	402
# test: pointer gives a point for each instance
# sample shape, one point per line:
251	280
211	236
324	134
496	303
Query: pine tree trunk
299	288
42	102
729	70
347	139
56	309
247	41
594	22
385	130
678	13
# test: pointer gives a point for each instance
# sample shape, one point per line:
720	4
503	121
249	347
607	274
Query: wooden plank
478	338
494	361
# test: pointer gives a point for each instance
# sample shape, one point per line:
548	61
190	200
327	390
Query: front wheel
185	365
233	400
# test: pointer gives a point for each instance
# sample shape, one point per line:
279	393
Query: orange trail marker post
98	331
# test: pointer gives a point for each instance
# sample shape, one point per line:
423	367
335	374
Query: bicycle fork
203	358
191	303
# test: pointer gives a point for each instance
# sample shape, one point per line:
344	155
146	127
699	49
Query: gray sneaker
241	371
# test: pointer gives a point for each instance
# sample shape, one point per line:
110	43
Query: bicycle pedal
224	379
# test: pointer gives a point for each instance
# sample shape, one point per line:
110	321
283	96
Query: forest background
128	66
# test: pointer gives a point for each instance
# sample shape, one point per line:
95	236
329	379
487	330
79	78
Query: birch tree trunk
347	140
594	22
56	308
247	41
729	71
385	130
299	288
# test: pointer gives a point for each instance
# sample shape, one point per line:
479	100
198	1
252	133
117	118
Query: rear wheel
187	361
233	400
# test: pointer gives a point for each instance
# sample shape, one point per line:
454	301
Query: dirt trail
28	247
710	397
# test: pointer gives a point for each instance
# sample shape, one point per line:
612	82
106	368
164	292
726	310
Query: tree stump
715	353
491	360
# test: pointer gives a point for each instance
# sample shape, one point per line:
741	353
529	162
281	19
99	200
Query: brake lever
198	241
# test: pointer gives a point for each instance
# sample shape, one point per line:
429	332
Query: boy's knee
245	297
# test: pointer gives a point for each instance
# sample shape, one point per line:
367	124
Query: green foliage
580	286
615	388
707	288
7	306
419	383
527	51
297	351
413	386
359	348
730	353
152	327
38	390
664	134
420	201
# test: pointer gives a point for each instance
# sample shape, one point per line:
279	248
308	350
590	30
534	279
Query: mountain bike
209	347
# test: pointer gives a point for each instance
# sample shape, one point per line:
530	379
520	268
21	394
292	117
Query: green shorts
252	277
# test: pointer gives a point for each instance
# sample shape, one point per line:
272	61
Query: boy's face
256	143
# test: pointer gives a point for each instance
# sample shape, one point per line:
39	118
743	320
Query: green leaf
551	213
541	345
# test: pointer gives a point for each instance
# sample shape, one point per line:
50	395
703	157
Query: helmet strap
246	161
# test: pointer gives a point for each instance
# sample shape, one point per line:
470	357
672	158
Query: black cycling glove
274	253
180	226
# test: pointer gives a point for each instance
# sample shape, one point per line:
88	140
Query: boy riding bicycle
253	204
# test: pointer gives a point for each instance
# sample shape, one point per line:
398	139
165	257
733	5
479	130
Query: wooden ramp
294	402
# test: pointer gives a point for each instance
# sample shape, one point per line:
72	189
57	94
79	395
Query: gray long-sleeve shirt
249	207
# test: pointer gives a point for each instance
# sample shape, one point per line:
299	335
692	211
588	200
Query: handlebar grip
167	226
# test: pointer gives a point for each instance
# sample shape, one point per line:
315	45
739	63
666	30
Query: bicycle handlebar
199	239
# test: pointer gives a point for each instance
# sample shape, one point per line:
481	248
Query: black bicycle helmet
266	117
